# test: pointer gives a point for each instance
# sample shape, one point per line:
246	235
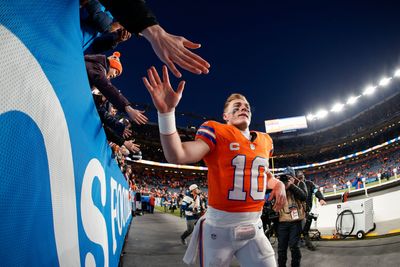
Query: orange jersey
236	167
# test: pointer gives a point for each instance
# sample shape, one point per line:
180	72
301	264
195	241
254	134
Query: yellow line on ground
372	234
327	237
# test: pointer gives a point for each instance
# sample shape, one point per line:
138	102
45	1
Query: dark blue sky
289	59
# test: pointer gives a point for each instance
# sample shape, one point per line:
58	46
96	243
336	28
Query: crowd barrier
63	199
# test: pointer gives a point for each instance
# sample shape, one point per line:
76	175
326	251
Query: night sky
287	58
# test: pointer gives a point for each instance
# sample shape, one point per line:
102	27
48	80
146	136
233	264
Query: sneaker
183	241
311	247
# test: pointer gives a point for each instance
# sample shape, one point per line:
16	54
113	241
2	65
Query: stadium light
369	90
352	100
385	81
322	114
337	107
310	117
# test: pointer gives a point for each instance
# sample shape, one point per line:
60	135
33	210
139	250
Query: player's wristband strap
166	122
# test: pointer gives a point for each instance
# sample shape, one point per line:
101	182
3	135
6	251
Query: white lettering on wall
93	220
113	184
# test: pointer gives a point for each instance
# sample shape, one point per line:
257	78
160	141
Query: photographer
192	207
311	189
290	217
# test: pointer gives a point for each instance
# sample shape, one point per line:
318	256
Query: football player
238	176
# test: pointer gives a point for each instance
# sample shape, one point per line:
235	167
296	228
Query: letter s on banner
93	221
114	207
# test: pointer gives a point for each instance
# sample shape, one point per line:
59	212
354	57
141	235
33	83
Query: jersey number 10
238	193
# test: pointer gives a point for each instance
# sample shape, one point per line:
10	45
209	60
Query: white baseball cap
193	187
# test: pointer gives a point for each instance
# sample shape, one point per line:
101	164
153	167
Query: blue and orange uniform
236	167
237	180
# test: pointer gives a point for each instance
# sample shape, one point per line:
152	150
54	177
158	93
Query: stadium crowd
382	162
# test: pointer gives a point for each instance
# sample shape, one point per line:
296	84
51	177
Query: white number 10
238	193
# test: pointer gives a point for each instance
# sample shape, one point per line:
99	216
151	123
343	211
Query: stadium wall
63	199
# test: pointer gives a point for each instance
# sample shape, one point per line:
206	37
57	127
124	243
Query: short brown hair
234	97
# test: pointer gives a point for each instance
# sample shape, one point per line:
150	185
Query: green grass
367	185
161	209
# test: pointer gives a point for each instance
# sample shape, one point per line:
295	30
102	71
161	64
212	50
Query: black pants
307	225
190	227
288	236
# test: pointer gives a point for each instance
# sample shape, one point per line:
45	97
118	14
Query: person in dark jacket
138	19
101	70
290	217
108	41
100	32
115	131
311	190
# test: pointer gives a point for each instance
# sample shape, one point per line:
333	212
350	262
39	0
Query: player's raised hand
164	97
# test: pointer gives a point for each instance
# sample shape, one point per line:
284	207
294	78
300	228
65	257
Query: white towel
193	248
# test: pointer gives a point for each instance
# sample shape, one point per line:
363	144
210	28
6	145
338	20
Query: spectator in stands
116	131
137	18
191	205
94	20
100	71
100	32
311	190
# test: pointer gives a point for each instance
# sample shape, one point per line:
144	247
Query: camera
268	211
284	178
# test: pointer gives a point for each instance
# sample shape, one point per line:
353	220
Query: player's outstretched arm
165	99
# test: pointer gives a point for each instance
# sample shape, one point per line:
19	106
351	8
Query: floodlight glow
337	107
352	100
369	90
322	113
310	117
385	81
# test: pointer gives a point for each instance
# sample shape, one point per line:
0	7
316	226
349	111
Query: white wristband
166	122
